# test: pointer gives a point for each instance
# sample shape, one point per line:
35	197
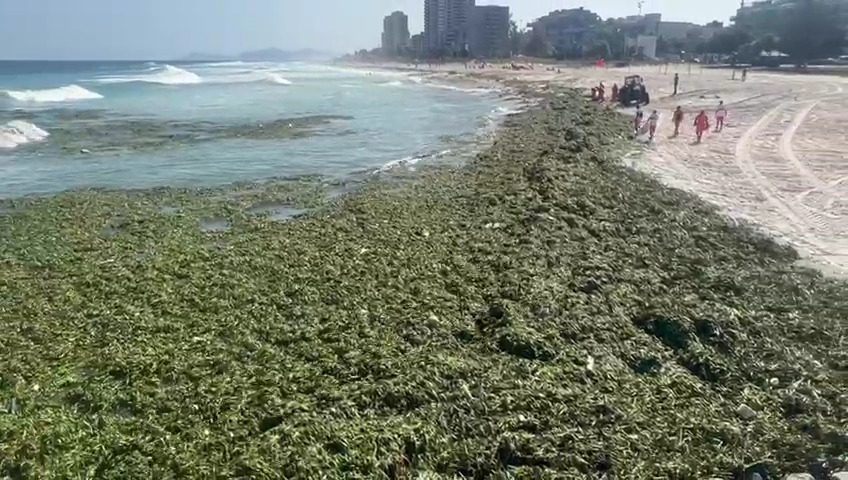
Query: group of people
599	93
701	123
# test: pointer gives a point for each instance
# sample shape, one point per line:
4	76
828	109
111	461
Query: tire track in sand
787	152
745	162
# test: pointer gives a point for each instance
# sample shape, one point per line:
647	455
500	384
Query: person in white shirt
720	115
653	121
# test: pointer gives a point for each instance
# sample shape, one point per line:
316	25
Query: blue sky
162	29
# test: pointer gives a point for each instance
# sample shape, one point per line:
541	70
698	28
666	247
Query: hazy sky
162	29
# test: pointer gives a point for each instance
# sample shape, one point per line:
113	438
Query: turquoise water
146	124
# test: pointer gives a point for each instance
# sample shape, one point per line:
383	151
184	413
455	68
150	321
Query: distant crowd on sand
641	127
477	64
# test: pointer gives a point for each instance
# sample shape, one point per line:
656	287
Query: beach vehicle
633	91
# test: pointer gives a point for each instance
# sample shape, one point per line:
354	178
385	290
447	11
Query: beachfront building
633	25
395	33
569	32
446	25
489	31
435	24
641	34
641	46
676	30
417	44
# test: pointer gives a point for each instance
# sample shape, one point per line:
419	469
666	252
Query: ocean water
67	125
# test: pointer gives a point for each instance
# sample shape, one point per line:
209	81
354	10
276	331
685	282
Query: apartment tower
489	31
395	33
446	25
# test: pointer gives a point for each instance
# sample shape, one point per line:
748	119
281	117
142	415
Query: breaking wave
68	93
171	75
276	78
163	75
18	132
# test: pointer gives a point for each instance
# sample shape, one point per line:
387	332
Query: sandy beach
780	163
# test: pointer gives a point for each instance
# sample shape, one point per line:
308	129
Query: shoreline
812	220
106	147
543	309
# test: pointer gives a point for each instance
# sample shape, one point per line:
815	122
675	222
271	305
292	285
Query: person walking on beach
744	74
720	115
637	120
702	124
653	121
677	118
676	83
614	93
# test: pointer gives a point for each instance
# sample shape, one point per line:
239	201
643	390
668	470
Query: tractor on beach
633	92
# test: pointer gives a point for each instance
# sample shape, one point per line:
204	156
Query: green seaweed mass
542	313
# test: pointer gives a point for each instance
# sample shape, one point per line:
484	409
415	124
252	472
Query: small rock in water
840	476
745	412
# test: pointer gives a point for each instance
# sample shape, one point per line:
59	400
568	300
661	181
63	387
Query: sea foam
18	132
68	93
276	78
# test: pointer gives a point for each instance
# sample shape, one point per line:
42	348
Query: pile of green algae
541	313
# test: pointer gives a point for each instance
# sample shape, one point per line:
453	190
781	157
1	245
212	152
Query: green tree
613	39
518	37
538	45
811	29
727	42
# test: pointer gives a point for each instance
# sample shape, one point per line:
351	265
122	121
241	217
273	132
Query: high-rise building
459	16
416	43
446	24
395	33
489	31
435	24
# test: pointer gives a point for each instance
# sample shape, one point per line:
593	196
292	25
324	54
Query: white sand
781	162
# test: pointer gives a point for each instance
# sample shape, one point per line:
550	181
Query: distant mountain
197	57
265	55
277	55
